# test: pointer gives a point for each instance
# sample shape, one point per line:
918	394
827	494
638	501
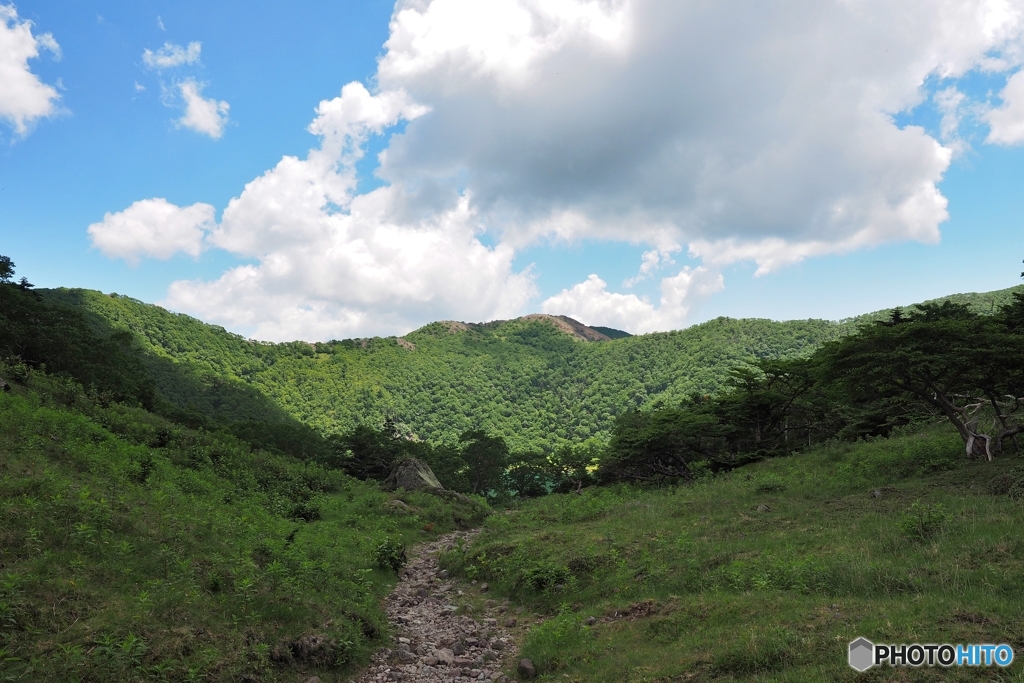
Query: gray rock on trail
433	643
526	668
412	475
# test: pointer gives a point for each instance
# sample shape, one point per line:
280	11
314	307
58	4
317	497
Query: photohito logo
864	654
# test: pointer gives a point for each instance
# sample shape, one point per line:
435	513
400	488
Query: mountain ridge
530	380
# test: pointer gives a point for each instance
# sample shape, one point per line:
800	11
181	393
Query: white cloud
652	260
742	131
23	97
203	115
1007	120
171	55
154	228
591	303
333	263
723	121
160	23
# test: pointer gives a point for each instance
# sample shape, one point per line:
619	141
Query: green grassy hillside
133	548
526	381
765	574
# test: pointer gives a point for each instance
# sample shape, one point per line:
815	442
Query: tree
366	453
967	367
6	269
572	466
486	458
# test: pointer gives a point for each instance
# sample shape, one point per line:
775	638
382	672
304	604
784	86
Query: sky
329	170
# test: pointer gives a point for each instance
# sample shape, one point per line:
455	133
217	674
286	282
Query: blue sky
527	147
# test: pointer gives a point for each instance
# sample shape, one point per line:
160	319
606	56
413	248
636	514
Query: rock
396	504
445	656
313	679
591	621
526	669
490	622
763	508
312	648
430	660
484	587
443	574
510	623
405	657
458	648
412	474
490	604
498	644
877	493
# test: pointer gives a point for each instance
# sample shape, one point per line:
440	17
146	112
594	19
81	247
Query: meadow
768	572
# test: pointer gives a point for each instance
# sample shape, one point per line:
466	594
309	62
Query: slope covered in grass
898	540
133	548
524	380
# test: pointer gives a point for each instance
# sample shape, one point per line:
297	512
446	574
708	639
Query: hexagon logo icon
862	654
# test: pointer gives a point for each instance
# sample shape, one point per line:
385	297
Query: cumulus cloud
739	131
171	55
1007	121
592	303
153	228
333	263
23	97
721	120
203	115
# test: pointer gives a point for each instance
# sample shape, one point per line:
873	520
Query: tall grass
766	573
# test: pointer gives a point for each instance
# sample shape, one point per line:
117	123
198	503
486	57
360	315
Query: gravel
433	643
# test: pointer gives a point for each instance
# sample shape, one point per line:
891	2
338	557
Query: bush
924	522
390	554
558	643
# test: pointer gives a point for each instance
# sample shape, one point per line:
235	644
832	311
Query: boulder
412	474
526	669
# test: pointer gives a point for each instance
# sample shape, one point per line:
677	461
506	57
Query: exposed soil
436	641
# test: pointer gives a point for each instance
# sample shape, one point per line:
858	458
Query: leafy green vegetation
765	573
143	541
526	381
178	503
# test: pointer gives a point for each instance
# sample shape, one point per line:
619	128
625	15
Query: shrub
770	483
558	643
390	554
924	522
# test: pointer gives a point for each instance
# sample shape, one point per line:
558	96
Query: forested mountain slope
530	380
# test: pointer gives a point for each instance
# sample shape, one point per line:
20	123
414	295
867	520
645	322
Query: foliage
390	554
135	548
694	582
525	381
937	360
559	642
36	335
924	522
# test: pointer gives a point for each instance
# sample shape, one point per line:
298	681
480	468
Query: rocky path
434	642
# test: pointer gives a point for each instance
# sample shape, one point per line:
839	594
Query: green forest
527	381
178	503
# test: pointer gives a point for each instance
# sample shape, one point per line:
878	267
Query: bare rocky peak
569	326
563	323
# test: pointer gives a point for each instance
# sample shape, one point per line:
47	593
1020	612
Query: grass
898	540
134	549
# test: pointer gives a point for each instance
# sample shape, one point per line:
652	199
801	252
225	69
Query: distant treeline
938	361
948	360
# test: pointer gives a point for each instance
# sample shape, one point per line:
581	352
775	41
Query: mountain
538	381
